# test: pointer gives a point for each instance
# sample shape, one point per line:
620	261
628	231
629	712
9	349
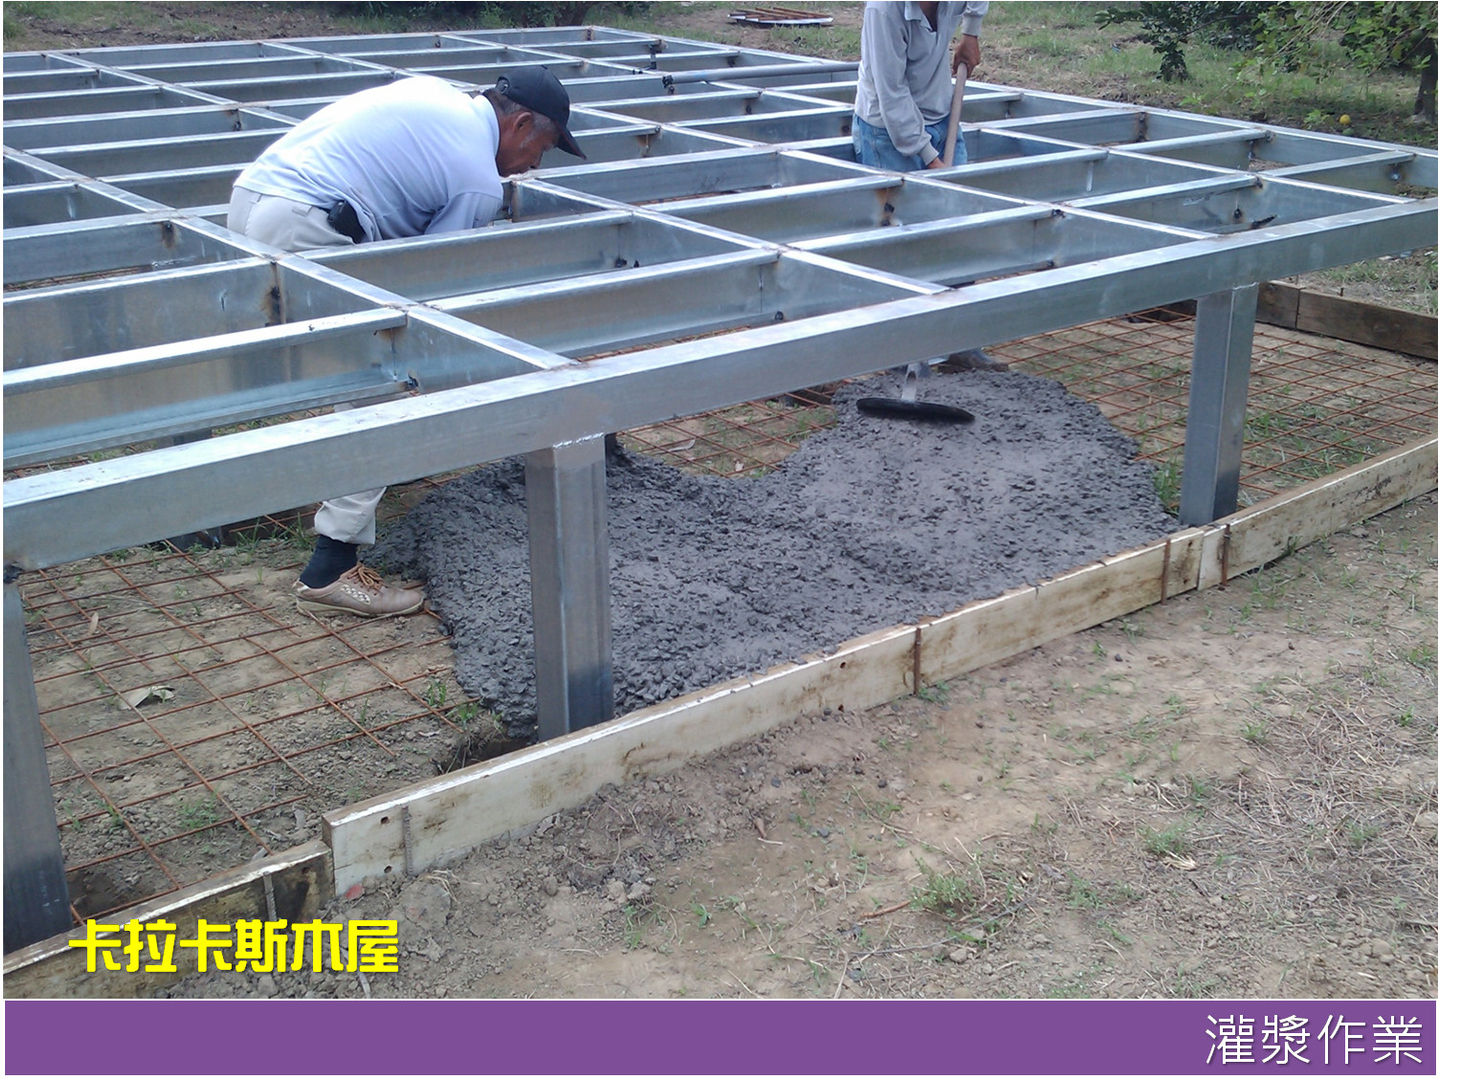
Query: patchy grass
951	895
1169	842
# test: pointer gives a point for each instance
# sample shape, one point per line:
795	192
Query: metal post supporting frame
569	567
1216	423
36	903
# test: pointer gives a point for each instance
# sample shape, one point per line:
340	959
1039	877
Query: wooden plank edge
432	822
1021	619
1276	304
449	816
1264	532
1342	318
290	885
1375	325
439	819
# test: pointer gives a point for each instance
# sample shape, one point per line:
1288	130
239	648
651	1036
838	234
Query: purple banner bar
103	1038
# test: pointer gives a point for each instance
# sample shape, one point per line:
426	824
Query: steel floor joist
720	245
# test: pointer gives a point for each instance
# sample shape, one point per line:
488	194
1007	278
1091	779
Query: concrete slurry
873	523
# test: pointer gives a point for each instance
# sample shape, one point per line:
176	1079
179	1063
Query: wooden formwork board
1340	317
291	885
1265	532
991	630
436	821
1314	312
433	822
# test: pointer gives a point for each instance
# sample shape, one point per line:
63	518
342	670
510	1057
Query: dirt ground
1232	794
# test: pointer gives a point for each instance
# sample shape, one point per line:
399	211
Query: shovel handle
953	122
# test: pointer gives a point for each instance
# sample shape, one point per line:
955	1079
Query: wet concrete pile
871	524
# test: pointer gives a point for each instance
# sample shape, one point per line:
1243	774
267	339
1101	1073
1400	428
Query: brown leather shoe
358	591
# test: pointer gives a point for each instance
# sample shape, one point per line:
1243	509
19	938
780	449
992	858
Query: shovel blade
898	409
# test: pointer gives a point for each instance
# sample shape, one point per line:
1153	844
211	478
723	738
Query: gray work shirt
905	69
414	156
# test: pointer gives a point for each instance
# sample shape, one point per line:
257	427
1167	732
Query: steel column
36	904
1216	422
569	567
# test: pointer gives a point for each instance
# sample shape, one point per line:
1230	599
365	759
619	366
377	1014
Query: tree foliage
532	13
1168	27
1398	36
1401	35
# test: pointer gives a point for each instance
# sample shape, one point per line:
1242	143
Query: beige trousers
296	226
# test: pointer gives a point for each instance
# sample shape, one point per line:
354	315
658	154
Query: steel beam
786	215
236	148
689	175
569	567
75	406
725	74
1228	206
786	127
637	141
123	56
40	136
58	516
86	102
1386	171
427	268
1215	426
1225	149
285	64
39	204
1067	175
36	904
635	307
957	251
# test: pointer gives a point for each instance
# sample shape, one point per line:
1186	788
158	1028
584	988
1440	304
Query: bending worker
413	157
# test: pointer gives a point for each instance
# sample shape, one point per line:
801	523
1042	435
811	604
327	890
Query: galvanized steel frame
720	245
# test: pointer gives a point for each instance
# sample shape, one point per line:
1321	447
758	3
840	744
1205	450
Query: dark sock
330	560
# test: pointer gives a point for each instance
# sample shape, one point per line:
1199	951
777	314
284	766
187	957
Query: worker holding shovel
907	113
903	100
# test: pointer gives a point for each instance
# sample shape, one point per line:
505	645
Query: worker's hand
968	52
936	163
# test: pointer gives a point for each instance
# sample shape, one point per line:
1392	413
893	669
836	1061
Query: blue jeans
873	147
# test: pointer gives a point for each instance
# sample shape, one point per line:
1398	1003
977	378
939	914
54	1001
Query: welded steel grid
720	197
1316	405
715	174
208	628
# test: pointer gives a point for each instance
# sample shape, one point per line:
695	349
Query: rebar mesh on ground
194	718
1315	405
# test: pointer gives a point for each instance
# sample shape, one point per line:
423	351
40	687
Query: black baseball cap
537	89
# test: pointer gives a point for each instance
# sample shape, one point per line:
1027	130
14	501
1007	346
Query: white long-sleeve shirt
905	69
414	156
